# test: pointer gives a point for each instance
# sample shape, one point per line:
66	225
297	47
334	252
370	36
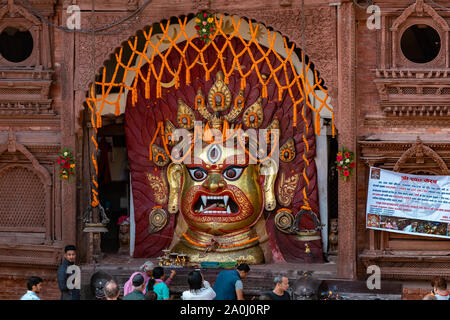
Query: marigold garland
66	164
345	162
205	26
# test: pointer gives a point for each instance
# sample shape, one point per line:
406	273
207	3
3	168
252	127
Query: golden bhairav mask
217	195
221	200
220	193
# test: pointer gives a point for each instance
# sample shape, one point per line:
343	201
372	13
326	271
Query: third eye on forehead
213	155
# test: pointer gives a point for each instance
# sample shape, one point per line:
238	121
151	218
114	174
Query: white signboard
407	203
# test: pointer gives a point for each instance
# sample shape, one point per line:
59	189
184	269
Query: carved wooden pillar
346	124
68	139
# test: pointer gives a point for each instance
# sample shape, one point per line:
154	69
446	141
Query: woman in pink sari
146	272
146	268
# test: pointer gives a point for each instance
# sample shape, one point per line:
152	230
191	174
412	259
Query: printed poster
407	203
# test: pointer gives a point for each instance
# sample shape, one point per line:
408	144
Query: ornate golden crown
219	101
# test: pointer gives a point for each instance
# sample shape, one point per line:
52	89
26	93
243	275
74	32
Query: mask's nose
214	182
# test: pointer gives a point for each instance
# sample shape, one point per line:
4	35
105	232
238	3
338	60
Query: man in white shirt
199	289
34	286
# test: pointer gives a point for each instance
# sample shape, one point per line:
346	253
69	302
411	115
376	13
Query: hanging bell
307	249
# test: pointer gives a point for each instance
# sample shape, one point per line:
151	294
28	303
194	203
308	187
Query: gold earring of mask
174	174
268	168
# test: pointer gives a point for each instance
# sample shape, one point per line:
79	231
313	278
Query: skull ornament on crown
212	164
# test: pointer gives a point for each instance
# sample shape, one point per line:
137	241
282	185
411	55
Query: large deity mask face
219	194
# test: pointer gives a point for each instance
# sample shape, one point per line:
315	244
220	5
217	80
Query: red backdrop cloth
141	122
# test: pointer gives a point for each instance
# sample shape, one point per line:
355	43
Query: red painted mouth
215	204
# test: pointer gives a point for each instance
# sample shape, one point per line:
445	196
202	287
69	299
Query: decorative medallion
159	156
284	220
185	116
254	116
287	151
286	189
159	186
157	220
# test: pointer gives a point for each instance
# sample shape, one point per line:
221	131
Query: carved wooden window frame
418	13
440	60
34	28
46	215
17	16
11	146
22	25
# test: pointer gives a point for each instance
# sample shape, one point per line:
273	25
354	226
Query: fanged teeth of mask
202	210
223	198
210	203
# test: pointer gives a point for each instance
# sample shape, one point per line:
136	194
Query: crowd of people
150	283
